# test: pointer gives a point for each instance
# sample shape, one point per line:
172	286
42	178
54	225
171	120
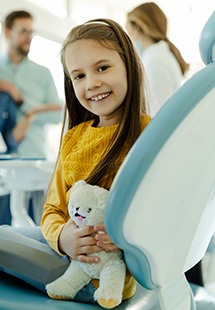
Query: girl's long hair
111	35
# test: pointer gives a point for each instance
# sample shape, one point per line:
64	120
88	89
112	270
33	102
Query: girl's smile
100	97
98	86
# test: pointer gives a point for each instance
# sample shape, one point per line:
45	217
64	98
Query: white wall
47	25
186	18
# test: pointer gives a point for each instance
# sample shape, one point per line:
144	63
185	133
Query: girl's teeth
100	97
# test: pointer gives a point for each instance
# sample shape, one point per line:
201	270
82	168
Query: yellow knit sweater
82	148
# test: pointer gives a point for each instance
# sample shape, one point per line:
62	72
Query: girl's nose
93	82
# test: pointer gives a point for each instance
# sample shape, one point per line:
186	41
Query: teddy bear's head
87	203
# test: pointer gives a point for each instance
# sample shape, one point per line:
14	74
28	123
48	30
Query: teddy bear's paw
53	296
107	304
62	292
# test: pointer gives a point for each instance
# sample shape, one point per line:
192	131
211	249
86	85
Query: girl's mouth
100	97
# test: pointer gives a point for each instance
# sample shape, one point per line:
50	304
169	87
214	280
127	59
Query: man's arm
12	90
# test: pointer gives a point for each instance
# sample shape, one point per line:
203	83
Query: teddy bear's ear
102	196
79	184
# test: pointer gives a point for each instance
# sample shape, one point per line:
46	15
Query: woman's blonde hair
149	19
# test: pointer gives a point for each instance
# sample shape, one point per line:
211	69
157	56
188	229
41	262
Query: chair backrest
161	208
207	41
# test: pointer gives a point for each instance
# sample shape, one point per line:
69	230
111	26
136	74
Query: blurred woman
164	65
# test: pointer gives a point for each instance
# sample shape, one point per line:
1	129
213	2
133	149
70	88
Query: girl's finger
87	259
89	240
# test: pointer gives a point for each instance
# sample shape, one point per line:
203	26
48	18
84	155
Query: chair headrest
207	41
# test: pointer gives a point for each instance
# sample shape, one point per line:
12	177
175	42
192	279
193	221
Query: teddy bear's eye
89	210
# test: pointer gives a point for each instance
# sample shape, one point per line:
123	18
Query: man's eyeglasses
24	32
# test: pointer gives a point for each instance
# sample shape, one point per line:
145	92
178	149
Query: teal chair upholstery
160	210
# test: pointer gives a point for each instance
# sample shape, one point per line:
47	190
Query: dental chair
160	210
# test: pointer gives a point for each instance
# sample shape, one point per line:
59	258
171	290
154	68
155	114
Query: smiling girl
106	113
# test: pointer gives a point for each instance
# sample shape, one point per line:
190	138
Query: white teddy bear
86	207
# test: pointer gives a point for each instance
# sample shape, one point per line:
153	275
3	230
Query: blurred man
32	88
29	84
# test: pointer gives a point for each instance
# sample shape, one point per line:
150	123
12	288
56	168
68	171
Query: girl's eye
103	68
79	76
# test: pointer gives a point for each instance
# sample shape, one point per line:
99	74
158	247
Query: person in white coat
164	66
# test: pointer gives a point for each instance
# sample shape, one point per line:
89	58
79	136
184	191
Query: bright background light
54	19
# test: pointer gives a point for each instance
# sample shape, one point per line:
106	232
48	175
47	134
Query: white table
21	176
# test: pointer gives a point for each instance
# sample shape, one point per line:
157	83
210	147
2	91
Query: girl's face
99	79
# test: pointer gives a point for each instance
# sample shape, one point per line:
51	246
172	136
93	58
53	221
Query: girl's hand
103	240
78	242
